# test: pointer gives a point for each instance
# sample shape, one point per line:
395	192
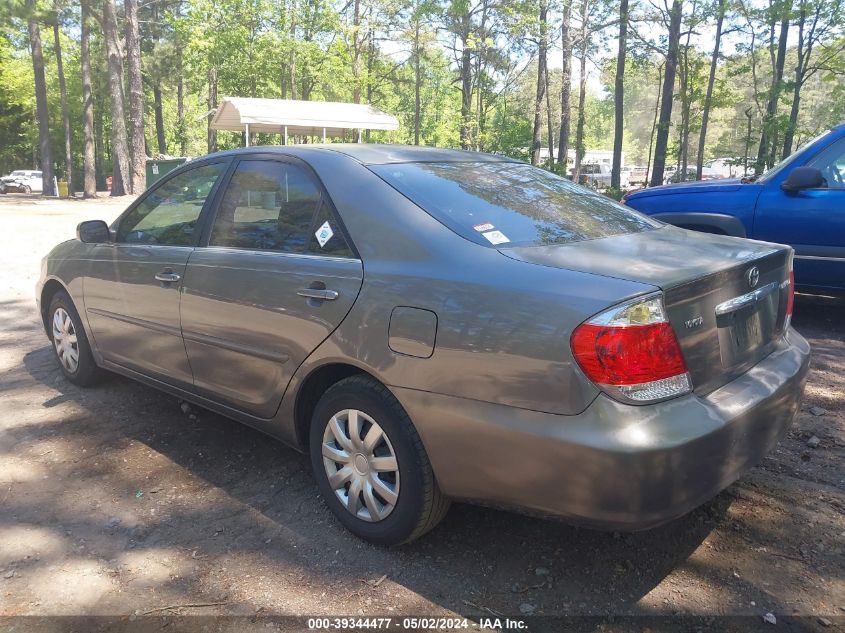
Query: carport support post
246	127
286	135
359	135
324	135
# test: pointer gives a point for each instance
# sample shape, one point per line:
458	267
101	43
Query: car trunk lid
727	317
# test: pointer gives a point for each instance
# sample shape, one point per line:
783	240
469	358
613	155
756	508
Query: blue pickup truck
800	202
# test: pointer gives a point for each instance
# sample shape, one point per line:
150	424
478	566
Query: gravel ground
115	501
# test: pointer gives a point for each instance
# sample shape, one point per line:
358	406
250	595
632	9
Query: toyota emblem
752	277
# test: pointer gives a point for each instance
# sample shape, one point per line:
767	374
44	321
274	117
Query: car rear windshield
510	204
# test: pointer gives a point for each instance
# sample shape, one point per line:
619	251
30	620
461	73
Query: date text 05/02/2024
414	623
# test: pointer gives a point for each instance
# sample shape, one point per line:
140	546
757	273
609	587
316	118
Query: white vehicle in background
22	181
597	176
725	167
638	175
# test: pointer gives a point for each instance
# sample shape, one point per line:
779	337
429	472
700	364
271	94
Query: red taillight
628	355
632	352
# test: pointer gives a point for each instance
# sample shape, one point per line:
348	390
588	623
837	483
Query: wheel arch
718	223
48	291
313	386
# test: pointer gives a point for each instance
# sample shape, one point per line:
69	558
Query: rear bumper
614	466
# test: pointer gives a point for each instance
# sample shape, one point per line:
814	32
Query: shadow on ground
162	505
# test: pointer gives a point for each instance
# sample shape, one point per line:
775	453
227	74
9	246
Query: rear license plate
745	333
748	333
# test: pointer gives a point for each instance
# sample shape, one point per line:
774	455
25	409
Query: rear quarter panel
503	326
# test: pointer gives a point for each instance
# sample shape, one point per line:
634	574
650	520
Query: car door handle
318	293
167	277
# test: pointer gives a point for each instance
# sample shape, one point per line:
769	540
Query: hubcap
64	339
361	465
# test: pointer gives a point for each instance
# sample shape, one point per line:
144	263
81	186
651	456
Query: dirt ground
114	501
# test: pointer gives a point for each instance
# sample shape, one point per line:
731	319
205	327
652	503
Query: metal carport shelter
302	118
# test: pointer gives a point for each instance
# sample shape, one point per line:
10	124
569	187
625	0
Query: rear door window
504	204
268	205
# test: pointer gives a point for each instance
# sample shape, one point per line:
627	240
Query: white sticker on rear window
483	227
496	237
324	233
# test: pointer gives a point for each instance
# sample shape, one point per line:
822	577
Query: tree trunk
212	105
371	53
100	138
708	98
537	141
42	115
136	98
480	67
356	51
292	61
550	131
686	104
466	84
582	93
121	169
63	101
665	121
180	112
654	122
765	151
417	80
89	169
789	134
565	87
619	99
159	117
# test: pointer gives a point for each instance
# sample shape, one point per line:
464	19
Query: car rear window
510	204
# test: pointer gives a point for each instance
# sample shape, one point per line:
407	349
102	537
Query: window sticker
496	237
483	227
324	233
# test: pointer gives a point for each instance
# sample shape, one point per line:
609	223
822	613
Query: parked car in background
432	324
691	174
597	176
637	175
22	181
726	167
800	202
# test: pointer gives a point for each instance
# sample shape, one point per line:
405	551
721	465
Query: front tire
70	343
370	464
27	189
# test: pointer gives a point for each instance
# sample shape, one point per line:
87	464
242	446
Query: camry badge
752	277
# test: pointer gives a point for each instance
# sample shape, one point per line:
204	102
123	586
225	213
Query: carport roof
306	118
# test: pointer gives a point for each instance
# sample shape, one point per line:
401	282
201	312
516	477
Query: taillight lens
631	352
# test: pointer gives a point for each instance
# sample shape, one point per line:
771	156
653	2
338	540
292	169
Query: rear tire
70	343
27	189
382	486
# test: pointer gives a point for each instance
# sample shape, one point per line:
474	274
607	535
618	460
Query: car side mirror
93	232
803	178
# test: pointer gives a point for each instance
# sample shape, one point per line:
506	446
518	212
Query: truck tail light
790	302
631	352
789	283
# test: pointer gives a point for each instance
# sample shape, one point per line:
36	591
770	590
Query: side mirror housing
93	232
803	178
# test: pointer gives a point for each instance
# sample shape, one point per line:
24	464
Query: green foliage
307	49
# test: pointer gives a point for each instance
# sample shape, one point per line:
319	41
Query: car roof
373	154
